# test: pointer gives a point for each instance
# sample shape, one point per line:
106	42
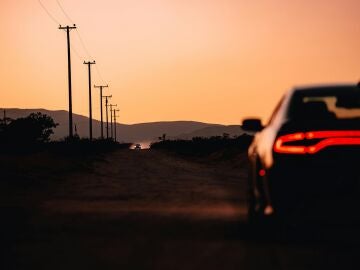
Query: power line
99	74
77	31
81	41
52	17
87	52
63	11
80	57
76	53
57	22
48	13
83	44
89	55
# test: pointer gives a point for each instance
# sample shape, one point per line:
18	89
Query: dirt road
150	210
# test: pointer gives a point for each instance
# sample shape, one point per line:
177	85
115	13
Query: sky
215	61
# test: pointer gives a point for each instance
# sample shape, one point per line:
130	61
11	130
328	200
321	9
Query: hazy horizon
118	122
205	60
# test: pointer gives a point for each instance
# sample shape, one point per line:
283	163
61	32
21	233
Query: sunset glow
203	60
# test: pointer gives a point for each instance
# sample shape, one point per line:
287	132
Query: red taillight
262	172
323	139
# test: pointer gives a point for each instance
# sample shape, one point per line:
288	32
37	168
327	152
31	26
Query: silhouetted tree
163	137
35	128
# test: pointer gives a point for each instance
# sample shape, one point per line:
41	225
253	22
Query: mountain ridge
139	132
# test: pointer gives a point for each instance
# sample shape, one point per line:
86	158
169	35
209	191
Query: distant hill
130	133
232	130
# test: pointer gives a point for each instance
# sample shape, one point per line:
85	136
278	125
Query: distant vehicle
307	158
137	146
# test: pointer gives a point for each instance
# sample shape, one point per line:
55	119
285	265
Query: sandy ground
150	210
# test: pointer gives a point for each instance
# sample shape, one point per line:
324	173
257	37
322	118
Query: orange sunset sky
214	61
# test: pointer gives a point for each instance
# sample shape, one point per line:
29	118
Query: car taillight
313	141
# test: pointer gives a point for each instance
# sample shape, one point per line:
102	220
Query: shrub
200	146
33	129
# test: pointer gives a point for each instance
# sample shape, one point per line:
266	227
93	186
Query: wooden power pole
90	107
68	28
101	108
115	123
111	115
107	119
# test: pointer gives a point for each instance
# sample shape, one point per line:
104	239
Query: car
137	146
305	163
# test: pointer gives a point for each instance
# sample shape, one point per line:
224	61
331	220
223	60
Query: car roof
321	89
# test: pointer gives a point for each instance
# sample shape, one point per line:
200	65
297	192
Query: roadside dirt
153	182
150	210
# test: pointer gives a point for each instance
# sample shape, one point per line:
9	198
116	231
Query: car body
307	158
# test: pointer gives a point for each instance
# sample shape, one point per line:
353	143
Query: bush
33	129
199	147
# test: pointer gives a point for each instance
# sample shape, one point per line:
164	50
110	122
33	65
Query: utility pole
111	113
115	122
107	120
90	108
68	28
5	118
101	108
111	125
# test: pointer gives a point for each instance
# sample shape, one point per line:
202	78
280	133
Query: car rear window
325	104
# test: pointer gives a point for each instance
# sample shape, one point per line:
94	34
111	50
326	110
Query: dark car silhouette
137	146
306	160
